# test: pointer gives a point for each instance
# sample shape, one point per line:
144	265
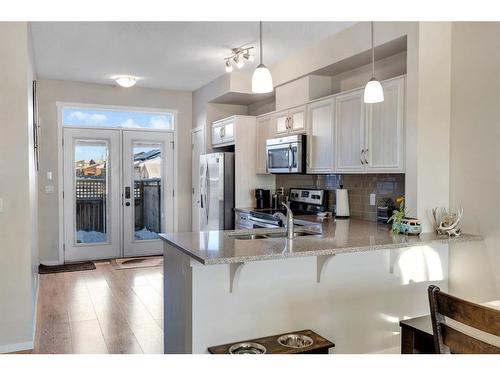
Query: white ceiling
168	55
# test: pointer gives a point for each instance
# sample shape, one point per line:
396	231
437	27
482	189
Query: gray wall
18	224
475	157
51	91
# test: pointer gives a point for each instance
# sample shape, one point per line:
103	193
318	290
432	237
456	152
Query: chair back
461	326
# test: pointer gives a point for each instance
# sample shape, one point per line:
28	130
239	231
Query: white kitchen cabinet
291	121
223	132
281	121
320	137
384	150
350	132
370	137
264	131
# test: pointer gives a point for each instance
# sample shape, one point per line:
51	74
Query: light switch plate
372	199
49	189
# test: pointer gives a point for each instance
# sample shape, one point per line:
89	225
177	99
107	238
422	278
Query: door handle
127	204
290	154
127	192
364	156
361	158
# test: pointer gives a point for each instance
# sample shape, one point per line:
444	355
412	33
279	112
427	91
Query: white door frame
194	184
60	152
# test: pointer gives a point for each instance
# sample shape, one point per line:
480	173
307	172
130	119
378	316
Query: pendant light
262	81
373	89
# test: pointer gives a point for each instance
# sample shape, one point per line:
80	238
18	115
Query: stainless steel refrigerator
217	191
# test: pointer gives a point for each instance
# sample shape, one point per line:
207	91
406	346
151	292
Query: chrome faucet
288	220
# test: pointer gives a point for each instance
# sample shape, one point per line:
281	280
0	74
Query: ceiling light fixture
373	89
238	60
229	67
126	81
248	56
238	57
262	81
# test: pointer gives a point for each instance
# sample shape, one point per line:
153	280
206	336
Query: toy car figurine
410	226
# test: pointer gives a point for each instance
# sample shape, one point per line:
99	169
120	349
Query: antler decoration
447	222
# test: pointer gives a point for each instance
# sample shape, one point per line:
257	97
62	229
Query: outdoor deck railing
91	204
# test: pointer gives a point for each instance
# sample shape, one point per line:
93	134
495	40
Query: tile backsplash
360	186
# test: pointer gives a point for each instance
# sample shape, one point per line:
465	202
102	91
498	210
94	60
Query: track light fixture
229	67
238	57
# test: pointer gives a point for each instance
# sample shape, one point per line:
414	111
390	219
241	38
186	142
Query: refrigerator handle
207	192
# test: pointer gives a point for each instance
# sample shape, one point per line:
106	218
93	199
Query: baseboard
11	348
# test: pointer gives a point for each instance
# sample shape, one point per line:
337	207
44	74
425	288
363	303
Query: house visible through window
111	118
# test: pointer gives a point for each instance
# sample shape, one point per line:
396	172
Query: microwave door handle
290	154
293	157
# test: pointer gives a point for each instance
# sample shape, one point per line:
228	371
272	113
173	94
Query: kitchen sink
252	236
248	236
296	234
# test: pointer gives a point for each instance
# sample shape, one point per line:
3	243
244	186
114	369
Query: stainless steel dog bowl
247	348
295	341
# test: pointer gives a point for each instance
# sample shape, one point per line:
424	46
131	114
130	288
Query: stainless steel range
302	202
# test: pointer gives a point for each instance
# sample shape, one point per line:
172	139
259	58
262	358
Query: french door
118	192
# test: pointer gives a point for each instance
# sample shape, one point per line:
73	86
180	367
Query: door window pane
147	190
91	178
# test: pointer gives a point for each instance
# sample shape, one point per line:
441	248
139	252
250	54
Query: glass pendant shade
262	81
373	92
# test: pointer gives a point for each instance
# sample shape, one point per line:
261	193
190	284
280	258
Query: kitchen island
351	281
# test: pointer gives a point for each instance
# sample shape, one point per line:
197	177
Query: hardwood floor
101	311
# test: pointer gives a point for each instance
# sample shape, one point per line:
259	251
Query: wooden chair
481	333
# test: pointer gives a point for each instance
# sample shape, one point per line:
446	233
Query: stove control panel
309	196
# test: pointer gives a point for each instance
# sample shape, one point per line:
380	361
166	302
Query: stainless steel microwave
286	154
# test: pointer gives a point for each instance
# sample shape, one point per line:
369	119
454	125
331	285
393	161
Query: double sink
260	236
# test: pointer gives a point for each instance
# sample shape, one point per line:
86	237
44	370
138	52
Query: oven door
279	158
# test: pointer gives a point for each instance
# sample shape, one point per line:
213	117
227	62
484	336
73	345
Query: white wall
475	157
433	114
18	233
51	91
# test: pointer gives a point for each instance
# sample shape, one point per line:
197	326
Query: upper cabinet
264	131
370	137
320	156
385	146
223	132
350	131
292	121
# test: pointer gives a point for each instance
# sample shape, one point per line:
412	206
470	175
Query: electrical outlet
372	199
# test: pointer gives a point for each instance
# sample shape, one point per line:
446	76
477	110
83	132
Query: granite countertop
336	237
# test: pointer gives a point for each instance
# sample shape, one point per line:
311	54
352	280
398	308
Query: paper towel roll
342	203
